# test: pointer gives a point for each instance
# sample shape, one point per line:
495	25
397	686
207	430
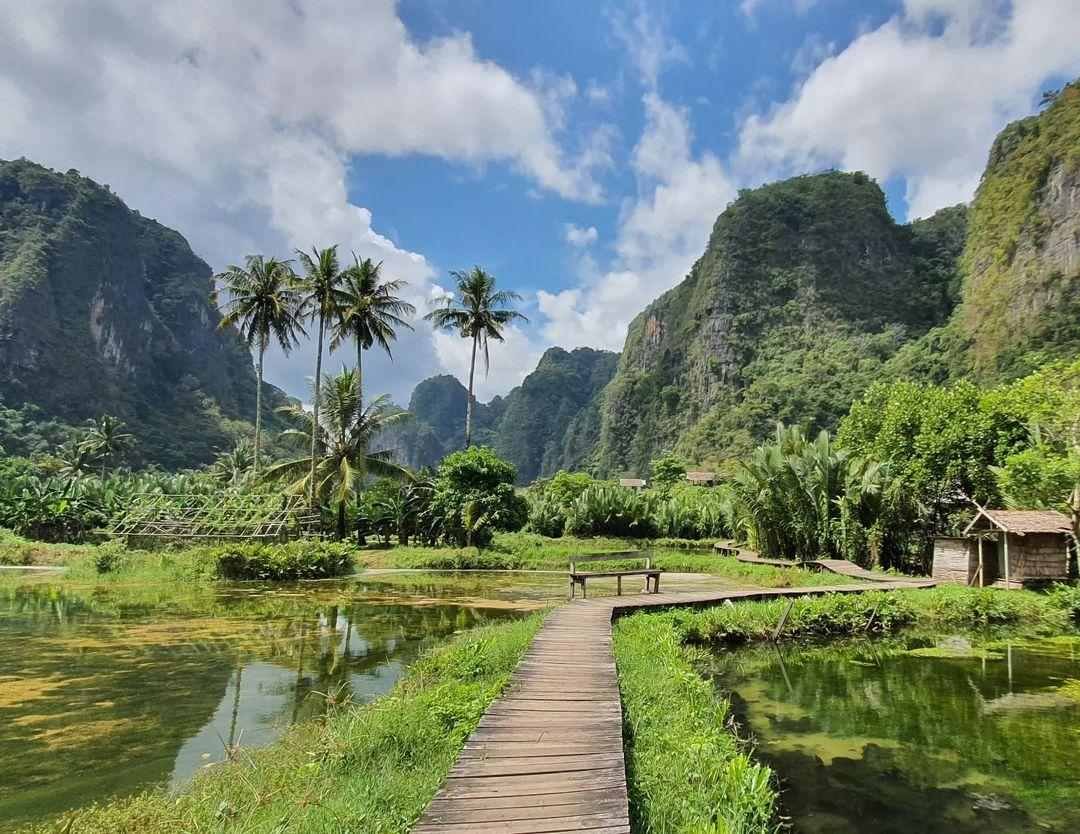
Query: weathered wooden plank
536	764
514	750
594	804
487	786
441	804
587	822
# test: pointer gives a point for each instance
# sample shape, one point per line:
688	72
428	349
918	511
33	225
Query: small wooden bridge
839	566
547	756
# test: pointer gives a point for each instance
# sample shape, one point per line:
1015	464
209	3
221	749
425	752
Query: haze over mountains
807	293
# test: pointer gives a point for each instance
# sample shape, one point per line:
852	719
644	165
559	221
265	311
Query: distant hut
632	483
1006	549
702	478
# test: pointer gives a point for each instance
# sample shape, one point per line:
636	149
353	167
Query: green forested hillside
549	422
806	290
1021	264
103	311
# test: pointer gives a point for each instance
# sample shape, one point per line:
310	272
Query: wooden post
982	575
783	620
618	585
1005	534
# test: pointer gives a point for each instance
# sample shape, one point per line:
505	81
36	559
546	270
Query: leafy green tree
667	471
474	496
345	432
478	312
106	440
370	312
263	303
322	298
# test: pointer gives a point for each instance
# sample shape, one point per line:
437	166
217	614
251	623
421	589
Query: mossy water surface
942	733
106	691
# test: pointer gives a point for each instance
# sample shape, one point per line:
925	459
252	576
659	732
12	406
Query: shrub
304	559
830	615
605	510
694	512
1067	598
108	557
546	517
474	497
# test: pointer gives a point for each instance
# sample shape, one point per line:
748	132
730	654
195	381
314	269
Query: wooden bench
580	577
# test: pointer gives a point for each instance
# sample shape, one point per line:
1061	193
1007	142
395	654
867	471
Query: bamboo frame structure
231	517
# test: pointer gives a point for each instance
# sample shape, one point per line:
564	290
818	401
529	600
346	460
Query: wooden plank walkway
840	566
547	756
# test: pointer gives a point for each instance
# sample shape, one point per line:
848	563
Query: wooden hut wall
955	560
1038	557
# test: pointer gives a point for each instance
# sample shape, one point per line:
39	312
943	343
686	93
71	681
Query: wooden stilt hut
1007	549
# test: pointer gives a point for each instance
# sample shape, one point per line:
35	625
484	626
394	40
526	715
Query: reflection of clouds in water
160	666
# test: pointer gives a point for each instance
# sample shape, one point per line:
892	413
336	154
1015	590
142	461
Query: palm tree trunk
258	400
469	405
360	375
315	416
341	520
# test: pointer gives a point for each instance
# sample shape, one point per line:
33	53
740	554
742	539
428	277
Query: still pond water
917	734
106	692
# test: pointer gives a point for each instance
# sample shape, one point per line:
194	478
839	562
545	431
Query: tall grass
686	771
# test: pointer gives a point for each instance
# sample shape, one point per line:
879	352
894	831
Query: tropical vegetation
263	303
478	312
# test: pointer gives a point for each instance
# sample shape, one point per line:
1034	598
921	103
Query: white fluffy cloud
581	236
660	235
511	359
920	97
234	122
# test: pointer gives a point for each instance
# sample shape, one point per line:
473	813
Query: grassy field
510	551
362	769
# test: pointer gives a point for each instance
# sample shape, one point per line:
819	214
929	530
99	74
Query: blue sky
580	151
459	215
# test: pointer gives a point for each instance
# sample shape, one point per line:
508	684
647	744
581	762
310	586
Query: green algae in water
914	734
104	692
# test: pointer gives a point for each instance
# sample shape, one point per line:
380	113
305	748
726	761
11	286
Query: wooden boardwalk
548	756
839	566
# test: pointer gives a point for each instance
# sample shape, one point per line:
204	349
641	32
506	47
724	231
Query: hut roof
1024	521
697	477
631	482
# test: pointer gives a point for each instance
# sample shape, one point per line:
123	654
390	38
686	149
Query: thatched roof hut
1007	548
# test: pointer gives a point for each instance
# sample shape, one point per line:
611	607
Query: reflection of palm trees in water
388	634
233	740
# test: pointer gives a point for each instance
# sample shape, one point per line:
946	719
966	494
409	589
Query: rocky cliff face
549	422
807	286
103	311
1021	265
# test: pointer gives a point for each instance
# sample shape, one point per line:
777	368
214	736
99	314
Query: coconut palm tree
322	299
345	430
233	467
479	312
263	302
105	440
75	459
370	313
